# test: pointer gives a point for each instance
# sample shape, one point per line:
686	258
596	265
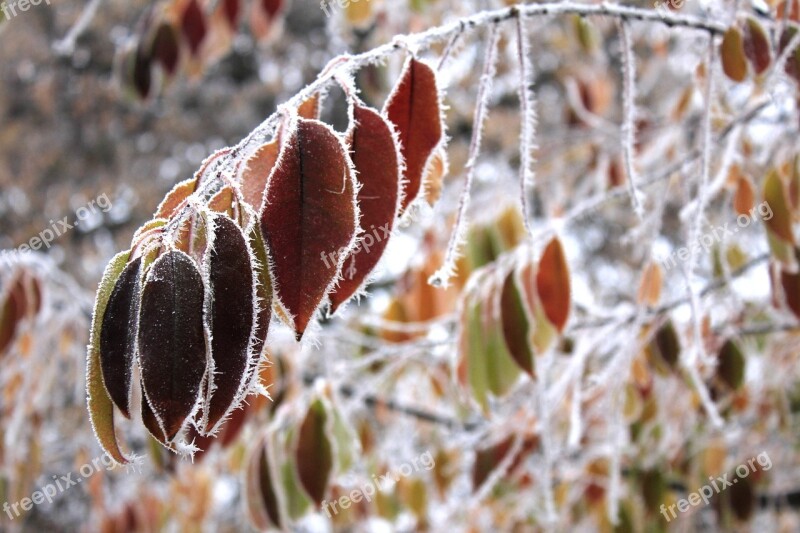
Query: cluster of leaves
184	34
185	312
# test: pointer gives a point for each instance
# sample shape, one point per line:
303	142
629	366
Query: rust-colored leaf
734	63
310	107
413	107
118	336
230	305
745	197
172	350
175	199
101	408
553	284
193	26
757	46
256	173
309	211
314	453
650	286
376	161
222	201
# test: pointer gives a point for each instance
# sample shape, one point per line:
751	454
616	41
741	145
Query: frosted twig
629	115
528	121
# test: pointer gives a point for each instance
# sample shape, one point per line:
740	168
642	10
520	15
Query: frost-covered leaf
175	199
172	344
230	305
101	408
377	163
118	336
309	211
414	109
256	172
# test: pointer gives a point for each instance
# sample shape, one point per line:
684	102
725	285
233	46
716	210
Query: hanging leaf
230	305
193	25
775	195
264	295
731	365
666	348
309	212
757	46
165	48
413	107
172	349
553	284
175	199
792	66
651	284
516	324
434	178
734	63
118	336
101	409
377	164
260	490
745	197
231	9
790	282
314	453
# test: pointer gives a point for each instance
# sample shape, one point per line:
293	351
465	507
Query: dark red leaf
165	50
413	107
553	284
118	336
757	46
376	162
231	8
516	324
309	211
193	25
230	304
172	350
271	7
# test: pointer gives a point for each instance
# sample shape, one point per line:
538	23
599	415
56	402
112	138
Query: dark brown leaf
193	25
757	46
165	49
118	336
172	350
413	107
314	453
516	324
309	211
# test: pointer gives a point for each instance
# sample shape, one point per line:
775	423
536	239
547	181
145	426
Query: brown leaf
745	197
309	211
172	349
757	46
734	63
193	25
553	284
516	324
651	284
118	336
165	48
230	305
314	453
310	108
376	161
413	107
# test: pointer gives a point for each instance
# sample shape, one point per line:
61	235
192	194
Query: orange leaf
553	284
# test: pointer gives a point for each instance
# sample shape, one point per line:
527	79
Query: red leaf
230	305
165	49
193	25
516	324
309	211
118	336
413	107
757	46
231	8
376	160
553	284
172	349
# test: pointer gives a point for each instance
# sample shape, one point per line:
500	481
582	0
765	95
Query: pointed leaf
516	324
314	454
193	25
165	48
757	46
172	345
230	305
101	409
376	161
256	173
176	198
118	336
264	295
414	109
309	211
553	284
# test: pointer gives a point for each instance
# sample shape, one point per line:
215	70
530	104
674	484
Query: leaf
553	284
358	14
734	63
376	160
101	409
261	497
434	178
176	198
139	72
172	349
164	48
309	211
230	314
11	313
413	107
792	66
666	346
118	336
780	224
745	197
790	282
314	453
231	9
731	365
222	201
651	284
757	46
310	107
193	26
256	173
516	324
263	293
